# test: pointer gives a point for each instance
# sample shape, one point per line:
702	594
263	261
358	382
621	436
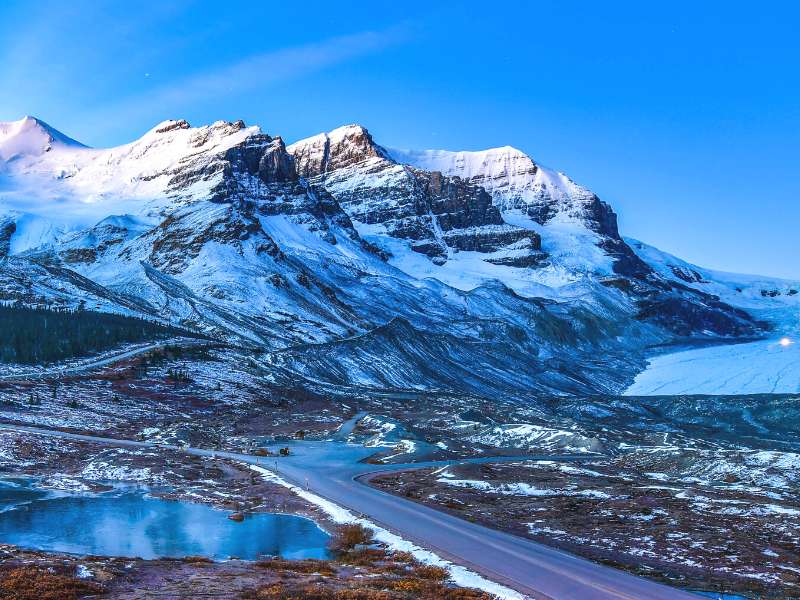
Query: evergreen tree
40	335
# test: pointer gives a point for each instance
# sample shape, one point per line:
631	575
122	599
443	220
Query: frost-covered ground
726	522
762	367
695	468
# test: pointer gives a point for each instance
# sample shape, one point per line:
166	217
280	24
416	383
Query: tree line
45	335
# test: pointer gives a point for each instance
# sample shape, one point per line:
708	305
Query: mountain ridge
227	229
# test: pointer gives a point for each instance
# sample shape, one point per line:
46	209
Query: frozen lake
762	367
129	523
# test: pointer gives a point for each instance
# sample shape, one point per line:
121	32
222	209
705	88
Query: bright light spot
785	342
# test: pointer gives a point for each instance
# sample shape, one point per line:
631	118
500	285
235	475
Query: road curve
533	569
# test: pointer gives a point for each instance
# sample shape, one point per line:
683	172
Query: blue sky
684	116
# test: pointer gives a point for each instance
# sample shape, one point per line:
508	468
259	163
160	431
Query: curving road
538	571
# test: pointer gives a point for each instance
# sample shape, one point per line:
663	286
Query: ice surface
761	367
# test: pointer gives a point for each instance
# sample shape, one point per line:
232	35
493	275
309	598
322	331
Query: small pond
128	522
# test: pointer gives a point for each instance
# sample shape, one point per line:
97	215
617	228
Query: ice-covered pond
129	522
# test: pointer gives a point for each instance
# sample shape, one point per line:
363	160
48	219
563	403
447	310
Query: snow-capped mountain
346	261
770	299
31	137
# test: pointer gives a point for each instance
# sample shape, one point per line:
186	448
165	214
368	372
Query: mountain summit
31	137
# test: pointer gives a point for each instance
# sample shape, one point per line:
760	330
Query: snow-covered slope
348	262
513	179
31	137
172	163
578	231
467	218
774	300
766	366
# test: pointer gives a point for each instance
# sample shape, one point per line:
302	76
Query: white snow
83	572
763	367
30	137
528	435
505	489
518	488
507	173
771	299
76	186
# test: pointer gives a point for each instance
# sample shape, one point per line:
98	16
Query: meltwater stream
128	522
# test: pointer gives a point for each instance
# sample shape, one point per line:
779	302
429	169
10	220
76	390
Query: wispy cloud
255	72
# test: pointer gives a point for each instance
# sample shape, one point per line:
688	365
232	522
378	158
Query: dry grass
379	589
32	583
308	566
197	560
346	537
360	574
431	573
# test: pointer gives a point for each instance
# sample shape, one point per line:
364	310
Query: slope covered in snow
78	186
31	137
570	219
774	300
766	366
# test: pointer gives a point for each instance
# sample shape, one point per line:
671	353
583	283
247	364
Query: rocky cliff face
437	215
347	261
527	193
338	149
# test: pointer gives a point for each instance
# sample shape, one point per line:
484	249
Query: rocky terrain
688	490
696	491
687	531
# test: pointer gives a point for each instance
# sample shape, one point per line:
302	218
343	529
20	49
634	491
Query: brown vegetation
347	537
32	583
367	573
197	560
375	589
308	566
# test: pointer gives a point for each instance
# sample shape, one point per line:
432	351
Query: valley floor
696	535
694	491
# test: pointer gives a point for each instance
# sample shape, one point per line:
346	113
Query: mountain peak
341	147
30	136
171	125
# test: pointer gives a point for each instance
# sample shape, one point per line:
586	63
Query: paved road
100	361
533	569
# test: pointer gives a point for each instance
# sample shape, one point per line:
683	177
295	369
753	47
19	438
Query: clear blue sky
683	115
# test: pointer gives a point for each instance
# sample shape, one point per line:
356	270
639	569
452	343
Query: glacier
762	367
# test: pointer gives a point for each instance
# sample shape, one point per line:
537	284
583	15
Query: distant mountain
347	262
